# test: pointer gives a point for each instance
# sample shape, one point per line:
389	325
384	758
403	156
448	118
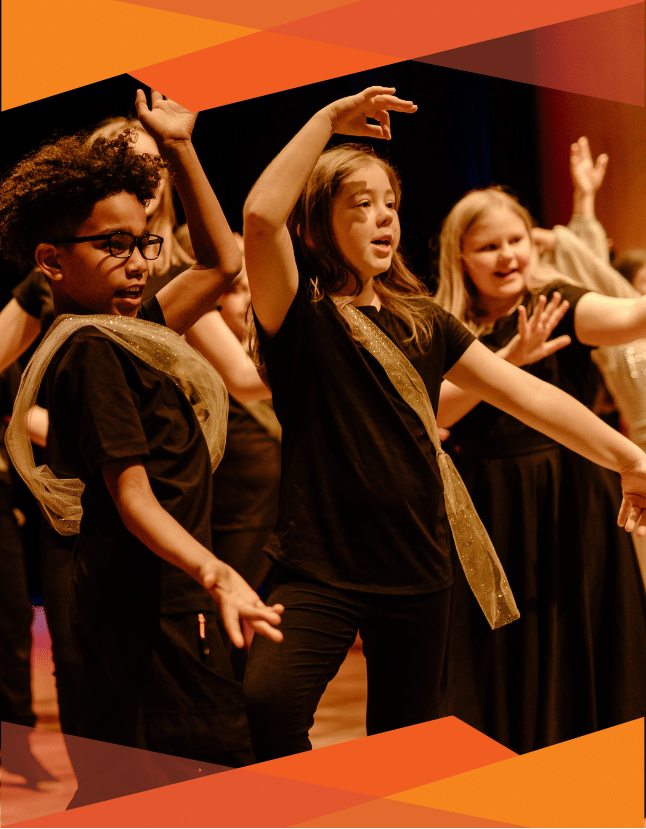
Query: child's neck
368	296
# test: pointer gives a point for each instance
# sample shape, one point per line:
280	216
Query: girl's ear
46	256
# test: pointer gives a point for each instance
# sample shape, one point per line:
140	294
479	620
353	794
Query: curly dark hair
54	189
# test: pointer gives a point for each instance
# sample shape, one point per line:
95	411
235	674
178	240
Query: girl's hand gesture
168	123
349	116
587	175
532	342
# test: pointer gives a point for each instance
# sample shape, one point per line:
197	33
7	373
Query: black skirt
575	661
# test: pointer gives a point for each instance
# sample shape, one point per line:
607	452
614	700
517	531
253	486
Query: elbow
258	219
231	265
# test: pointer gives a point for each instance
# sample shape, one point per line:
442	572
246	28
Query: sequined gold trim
481	565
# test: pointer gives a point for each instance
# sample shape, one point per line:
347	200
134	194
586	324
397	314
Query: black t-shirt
487	430
361	501
106	404
245	484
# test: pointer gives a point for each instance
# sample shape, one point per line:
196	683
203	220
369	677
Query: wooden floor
340	717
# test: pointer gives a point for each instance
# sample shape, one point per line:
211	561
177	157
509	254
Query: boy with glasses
156	673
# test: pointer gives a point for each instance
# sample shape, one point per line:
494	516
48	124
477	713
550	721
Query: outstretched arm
269	254
213	338
191	294
549	410
606	320
147	520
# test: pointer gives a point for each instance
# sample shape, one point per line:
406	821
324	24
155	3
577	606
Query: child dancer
576	659
156	673
362	539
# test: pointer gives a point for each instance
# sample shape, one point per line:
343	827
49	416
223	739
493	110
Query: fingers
600	166
633	517
231	621
266	630
547	316
384	122
556	344
141	104
383	97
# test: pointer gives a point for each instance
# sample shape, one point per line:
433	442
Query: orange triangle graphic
596	780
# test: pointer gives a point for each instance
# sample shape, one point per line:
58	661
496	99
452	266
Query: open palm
165	120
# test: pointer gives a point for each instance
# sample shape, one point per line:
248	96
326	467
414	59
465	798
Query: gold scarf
481	565
156	345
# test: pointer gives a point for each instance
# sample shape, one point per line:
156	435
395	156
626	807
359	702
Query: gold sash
481	565
156	345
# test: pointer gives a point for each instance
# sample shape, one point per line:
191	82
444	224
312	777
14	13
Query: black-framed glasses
122	244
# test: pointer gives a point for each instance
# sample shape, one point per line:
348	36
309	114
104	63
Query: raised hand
587	175
532	342
349	116
238	601
166	121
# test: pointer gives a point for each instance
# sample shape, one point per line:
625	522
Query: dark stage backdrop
470	131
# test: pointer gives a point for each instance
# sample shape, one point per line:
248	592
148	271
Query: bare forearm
213	338
147	520
542	407
558	415
454	404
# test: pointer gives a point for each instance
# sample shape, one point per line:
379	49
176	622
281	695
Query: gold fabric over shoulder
156	345
481	565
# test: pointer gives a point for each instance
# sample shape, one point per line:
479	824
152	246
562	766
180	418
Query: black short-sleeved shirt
361	501
488	430
106	404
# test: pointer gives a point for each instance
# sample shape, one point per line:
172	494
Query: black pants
403	641
56	556
156	687
15	620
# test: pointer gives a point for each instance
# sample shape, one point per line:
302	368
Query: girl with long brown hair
354	350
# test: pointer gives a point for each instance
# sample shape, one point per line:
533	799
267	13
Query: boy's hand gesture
238	601
349	116
168	123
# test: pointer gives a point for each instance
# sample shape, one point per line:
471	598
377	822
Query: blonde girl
575	661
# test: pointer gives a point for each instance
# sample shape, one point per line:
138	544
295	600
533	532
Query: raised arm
148	521
269	253
549	410
191	294
213	338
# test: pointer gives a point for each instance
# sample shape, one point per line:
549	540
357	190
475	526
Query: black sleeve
456	337
96	405
151	310
572	293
